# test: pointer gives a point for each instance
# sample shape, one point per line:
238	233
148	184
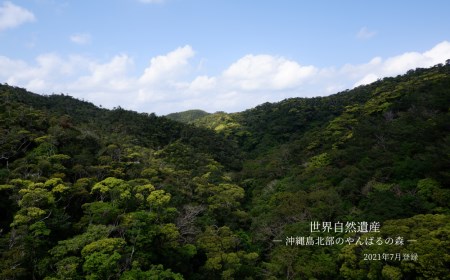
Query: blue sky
172	55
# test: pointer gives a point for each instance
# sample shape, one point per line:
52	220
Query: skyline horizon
170	55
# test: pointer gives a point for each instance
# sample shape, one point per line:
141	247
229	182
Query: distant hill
187	116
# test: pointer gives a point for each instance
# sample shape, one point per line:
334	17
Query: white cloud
171	82
203	83
50	70
364	33
108	75
12	16
81	38
256	72
377	68
167	67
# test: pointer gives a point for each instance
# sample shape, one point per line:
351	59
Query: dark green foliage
90	193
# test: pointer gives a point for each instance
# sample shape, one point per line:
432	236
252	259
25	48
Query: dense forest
355	185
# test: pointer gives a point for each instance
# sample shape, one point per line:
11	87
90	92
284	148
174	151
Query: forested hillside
187	116
351	186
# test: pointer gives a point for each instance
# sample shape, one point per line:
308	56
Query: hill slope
187	116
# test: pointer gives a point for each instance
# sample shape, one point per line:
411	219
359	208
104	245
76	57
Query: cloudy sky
167	56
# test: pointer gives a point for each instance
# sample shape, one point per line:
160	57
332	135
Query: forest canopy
91	193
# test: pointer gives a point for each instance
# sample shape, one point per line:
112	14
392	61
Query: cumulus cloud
378	68
172	83
49	73
203	83
12	16
167	67
81	38
364	33
256	72
110	75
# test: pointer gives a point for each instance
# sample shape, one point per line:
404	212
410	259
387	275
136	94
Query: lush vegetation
90	193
